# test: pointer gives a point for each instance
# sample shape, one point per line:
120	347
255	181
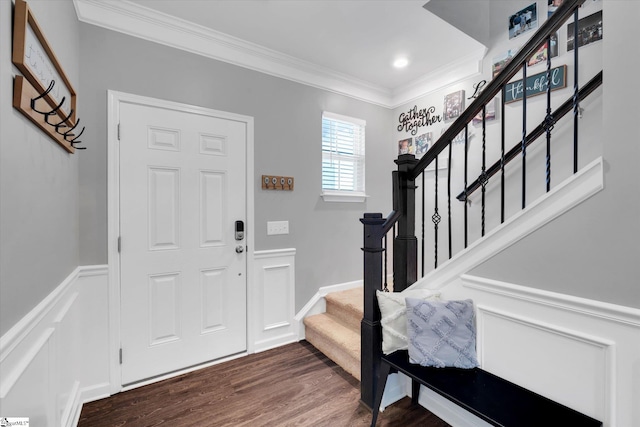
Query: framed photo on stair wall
523	20
589	30
405	146
453	105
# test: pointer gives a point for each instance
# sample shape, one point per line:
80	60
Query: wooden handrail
397	210
560	112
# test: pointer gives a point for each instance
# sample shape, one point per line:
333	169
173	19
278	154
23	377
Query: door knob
239	249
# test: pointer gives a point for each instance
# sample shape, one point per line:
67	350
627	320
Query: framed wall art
523	20
35	59
43	93
589	30
453	105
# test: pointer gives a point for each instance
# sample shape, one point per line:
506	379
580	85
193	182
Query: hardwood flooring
293	385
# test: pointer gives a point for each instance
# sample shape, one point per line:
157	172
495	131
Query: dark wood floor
293	385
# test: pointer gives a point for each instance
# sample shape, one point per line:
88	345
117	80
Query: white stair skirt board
573	191
317	305
49	365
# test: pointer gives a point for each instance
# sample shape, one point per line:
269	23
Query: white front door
183	273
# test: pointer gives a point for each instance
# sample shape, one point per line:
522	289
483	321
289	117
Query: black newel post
405	245
370	339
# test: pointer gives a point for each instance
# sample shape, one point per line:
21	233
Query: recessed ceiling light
401	62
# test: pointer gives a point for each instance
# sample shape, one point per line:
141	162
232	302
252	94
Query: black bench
491	398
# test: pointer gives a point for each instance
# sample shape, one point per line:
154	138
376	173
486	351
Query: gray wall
38	179
327	236
593	251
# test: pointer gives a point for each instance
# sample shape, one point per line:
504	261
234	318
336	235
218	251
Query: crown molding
446	75
141	22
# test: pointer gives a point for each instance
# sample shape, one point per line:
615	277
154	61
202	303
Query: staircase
336	333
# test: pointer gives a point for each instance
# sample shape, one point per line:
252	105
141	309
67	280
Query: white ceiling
349	42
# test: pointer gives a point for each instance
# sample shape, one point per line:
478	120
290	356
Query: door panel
183	286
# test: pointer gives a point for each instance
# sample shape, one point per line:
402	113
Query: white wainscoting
55	358
582	353
273	307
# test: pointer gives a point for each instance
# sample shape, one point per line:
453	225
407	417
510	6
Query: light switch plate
277	227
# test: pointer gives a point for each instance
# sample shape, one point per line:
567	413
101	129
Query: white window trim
343	118
343	196
338	195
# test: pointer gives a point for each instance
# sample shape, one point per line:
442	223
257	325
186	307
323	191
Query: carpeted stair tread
347	306
337	341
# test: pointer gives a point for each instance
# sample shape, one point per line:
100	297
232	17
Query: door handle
239	249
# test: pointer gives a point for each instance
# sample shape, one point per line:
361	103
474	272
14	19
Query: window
342	158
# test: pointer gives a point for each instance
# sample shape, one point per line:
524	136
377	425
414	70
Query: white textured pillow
393	311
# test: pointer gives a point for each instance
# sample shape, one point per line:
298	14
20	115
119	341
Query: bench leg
385	368
415	391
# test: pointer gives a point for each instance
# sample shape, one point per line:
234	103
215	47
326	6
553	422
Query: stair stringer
576	189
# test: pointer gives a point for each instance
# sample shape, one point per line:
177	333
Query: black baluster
385	287
548	121
483	173
524	134
449	199
423	228
466	186
502	137
576	104
436	217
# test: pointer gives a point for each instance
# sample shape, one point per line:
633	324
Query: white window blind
343	160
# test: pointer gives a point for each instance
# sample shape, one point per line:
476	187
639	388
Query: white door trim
114	99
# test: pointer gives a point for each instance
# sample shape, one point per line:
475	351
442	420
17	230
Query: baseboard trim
275	342
448	411
72	412
95	392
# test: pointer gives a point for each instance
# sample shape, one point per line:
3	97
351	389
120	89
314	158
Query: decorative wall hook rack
24	97
43	91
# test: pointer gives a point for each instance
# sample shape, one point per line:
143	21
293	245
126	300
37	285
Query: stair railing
401	221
